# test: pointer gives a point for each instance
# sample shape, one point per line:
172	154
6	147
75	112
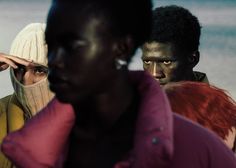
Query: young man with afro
172	50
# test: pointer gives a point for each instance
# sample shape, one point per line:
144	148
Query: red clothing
162	139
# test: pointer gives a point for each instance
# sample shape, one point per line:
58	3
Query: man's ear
124	48
193	59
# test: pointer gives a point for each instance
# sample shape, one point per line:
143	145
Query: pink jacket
162	139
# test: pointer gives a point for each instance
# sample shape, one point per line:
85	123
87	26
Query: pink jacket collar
153	146
41	141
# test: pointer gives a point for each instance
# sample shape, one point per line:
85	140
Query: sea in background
217	44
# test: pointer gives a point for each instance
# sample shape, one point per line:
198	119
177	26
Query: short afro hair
176	25
127	17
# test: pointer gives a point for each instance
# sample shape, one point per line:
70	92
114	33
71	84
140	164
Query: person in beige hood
28	72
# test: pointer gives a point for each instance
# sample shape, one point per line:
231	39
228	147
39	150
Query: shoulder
195	145
6	98
4	103
4	162
200	77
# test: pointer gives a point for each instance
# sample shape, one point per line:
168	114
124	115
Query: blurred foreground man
104	115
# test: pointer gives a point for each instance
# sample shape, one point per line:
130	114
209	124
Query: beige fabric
30	44
27	100
32	97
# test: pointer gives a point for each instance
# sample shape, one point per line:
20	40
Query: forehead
68	18
156	49
152	46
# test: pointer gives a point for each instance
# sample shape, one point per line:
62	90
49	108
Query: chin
63	98
69	98
162	85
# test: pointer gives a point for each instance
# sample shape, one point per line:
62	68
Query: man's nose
156	70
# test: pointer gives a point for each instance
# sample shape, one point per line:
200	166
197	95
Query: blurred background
217	45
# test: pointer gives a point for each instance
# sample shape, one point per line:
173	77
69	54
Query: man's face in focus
162	62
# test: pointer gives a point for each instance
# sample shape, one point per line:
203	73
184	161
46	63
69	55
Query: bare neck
103	110
189	76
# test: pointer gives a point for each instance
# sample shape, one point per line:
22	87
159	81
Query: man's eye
147	62
167	62
75	45
41	71
20	69
79	43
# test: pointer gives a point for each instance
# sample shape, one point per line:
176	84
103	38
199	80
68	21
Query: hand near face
12	61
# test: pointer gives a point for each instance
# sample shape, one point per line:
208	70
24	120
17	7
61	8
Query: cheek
171	70
178	73
147	68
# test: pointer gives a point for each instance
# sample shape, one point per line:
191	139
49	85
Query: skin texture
82	62
9	60
25	71
165	64
82	55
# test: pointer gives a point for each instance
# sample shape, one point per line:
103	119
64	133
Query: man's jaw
160	82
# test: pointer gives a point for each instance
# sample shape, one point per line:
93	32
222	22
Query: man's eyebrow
152	57
148	48
71	36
